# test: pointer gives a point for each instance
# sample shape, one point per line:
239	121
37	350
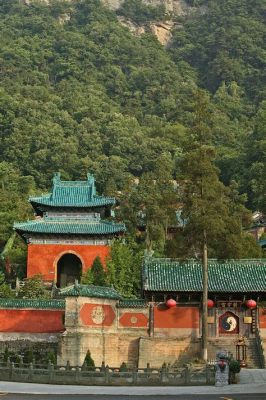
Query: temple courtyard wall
113	334
112	331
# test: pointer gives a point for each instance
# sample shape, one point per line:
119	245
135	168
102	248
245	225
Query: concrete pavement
251	376
33	388
251	381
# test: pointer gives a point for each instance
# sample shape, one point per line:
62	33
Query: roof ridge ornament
91	181
56	179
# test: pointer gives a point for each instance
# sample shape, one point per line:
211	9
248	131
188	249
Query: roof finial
91	181
56	178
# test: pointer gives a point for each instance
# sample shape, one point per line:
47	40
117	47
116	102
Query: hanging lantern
251	303
210	303
171	303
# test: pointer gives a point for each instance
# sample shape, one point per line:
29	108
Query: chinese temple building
71	228
231	286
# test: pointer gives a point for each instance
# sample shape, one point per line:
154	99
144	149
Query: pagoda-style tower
69	231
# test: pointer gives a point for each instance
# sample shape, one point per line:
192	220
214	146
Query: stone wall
109	333
157	351
114	335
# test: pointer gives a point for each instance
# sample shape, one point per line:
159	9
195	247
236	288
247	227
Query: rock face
162	30
178	7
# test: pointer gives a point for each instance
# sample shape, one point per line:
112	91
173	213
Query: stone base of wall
157	351
112	349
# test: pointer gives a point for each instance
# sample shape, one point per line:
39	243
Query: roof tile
231	276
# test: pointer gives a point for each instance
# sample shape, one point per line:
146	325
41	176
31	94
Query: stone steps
214	345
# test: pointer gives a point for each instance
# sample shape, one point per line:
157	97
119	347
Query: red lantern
210	303
251	303
171	303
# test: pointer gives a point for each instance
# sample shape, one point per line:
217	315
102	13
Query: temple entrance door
228	324
69	269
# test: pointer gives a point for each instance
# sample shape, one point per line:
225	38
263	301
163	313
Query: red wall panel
43	258
97	314
262	318
176	317
31	321
138	320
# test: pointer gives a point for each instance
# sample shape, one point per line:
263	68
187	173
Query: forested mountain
80	93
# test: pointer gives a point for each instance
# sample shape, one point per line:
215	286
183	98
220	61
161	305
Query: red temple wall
262	318
43	258
176	317
31	321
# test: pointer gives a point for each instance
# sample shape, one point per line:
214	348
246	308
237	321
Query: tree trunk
205	297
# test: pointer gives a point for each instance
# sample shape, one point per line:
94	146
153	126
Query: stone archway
69	269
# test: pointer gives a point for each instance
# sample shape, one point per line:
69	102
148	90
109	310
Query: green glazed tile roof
32	303
132	303
231	276
73	194
102	292
68	225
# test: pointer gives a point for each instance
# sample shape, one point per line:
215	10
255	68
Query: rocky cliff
161	29
178	7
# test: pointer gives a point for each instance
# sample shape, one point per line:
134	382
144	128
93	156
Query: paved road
99	397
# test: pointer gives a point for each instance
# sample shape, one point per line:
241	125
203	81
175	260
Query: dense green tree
212	212
124	262
140	13
33	288
80	92
98	273
254	174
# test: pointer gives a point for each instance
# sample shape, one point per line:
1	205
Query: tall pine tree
213	212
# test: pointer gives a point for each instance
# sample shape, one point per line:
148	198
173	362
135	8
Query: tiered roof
60	211
164	275
70	226
78	194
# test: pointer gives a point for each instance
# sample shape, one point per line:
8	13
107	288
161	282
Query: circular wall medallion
133	320
97	314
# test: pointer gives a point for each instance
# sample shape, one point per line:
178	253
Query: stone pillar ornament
222	369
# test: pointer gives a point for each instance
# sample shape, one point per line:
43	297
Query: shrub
234	366
88	361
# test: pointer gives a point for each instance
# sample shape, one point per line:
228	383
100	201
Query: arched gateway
69	269
68	221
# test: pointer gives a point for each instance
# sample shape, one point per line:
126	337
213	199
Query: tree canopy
79	92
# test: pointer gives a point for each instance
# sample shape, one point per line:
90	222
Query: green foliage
225	44
213	212
140	13
87	277
123	367
125	111
33	288
88	361
97	273
28	356
124	268
2	278
51	357
6	354
6	292
234	366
